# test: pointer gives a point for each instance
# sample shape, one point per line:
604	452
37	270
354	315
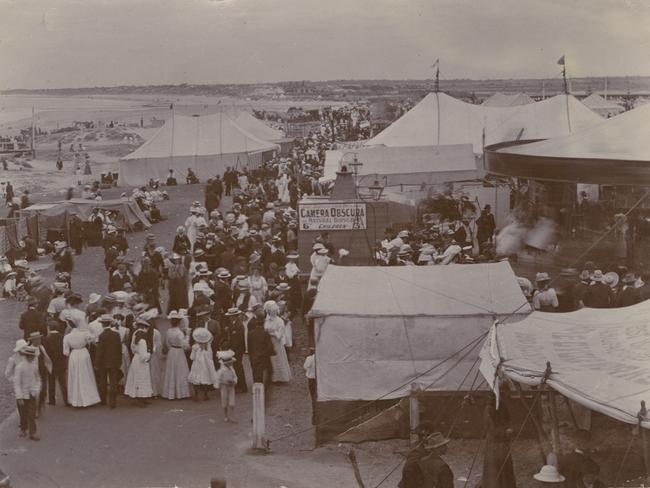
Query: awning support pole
644	444
555	428
414	413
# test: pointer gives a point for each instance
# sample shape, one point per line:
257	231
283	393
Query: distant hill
356	89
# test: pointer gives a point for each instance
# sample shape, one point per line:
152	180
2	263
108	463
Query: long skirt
82	388
175	384
155	368
138	381
126	362
280	363
178	297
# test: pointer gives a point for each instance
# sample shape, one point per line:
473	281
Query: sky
79	43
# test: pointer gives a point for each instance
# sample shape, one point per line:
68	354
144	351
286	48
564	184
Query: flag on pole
561	61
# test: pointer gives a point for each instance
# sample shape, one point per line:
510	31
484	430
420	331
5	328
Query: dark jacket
260	345
573	466
53	344
628	296
32	321
108	352
598	295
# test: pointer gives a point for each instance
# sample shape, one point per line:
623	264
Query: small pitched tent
602	107
408	165
377	328
599	357
614	152
440	120
207	144
507	100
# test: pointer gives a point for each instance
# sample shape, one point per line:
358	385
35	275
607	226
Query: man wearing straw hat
27	387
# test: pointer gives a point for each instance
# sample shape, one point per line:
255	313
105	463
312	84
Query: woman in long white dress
274	325
257	284
138	381
82	388
175	384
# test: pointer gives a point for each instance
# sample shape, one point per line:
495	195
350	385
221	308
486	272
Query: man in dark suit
234	339
53	344
629	295
260	350
108	360
577	463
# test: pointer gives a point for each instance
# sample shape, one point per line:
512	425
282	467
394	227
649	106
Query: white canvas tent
376	328
440	120
207	144
507	100
259	129
615	151
599	357
604	108
408	165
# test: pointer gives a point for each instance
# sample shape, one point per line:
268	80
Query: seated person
191	178
171	179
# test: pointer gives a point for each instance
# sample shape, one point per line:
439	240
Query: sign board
332	216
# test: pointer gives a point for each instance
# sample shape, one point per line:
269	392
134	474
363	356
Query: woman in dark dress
177	276
148	284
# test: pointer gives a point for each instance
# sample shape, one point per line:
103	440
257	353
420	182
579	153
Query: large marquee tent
440	120
598	357
207	144
614	152
408	165
377	328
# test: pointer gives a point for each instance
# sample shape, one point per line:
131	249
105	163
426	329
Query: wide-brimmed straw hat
201	335
549	474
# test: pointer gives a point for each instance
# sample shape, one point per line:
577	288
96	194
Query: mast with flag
436	85
562	62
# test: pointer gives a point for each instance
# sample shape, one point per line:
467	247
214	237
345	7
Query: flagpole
562	61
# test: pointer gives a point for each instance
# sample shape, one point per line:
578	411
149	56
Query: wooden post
644	441
258	416
555	428
414	414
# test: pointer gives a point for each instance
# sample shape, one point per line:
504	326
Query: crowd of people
591	287
463	240
176	322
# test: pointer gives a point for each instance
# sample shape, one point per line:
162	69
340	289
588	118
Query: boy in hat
226	381
27	387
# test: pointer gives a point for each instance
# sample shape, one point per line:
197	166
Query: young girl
225	382
202	374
